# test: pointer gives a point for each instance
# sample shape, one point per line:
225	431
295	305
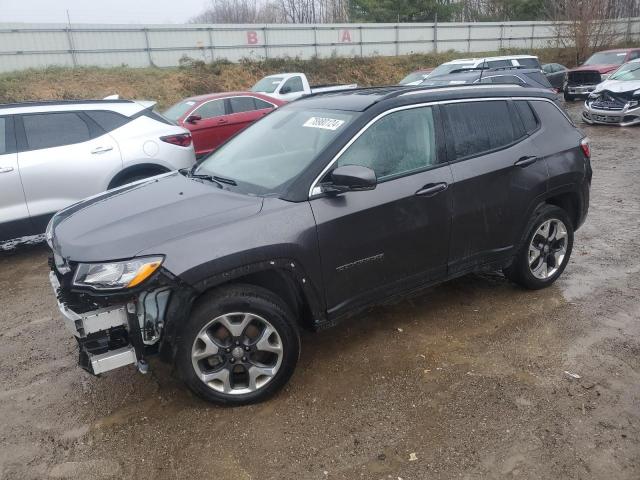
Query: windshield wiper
210	178
228	181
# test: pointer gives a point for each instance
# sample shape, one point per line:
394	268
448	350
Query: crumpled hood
619	86
120	223
595	68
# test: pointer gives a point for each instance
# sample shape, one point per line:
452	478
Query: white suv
53	154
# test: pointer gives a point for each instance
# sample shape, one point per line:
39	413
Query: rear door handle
431	189
101	150
526	161
6	169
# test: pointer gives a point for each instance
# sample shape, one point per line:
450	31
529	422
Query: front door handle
526	161
431	189
6	169
101	150
223	120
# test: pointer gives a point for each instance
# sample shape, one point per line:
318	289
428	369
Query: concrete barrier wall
40	45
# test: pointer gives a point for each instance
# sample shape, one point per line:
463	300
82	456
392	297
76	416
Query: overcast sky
100	11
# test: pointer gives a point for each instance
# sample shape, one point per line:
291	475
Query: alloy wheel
548	248
237	353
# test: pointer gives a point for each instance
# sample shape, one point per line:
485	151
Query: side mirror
193	118
352	178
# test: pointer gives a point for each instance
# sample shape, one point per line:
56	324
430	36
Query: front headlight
604	76
116	275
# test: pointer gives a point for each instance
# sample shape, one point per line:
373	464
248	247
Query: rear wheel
241	345
545	252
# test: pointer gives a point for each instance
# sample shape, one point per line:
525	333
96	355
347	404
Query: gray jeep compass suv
328	205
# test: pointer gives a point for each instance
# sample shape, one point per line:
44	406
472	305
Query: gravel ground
464	381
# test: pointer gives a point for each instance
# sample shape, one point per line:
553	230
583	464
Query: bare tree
589	25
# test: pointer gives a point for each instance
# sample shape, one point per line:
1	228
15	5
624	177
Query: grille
583	78
610	101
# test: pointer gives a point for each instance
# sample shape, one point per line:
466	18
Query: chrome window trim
273	105
315	184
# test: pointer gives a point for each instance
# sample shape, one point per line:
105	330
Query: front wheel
545	252
240	346
568	97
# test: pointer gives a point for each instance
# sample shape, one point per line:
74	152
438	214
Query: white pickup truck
289	86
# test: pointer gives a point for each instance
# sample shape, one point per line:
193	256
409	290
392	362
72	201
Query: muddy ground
464	381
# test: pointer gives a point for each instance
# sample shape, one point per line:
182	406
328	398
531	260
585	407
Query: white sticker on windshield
325	123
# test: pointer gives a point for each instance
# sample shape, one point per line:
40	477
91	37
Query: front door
378	242
14	216
213	127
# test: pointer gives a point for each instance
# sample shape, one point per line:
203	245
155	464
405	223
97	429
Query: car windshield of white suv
267	85
268	155
176	111
606	58
630	71
450	67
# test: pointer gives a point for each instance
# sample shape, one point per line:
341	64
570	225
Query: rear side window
54	129
529	120
261	104
539	78
478	127
108	121
529	62
242	104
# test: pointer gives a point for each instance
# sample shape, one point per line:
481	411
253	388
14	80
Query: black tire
520	270
568	97
238	298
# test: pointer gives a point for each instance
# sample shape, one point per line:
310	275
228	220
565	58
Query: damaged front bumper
115	335
624	117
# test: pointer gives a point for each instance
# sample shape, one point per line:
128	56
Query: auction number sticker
324	123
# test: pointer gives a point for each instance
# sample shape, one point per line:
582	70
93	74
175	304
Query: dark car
214	118
582	80
525	77
555	73
328	205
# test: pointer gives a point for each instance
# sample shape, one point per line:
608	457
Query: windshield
413	77
606	58
176	111
450	67
267	85
630	71
267	156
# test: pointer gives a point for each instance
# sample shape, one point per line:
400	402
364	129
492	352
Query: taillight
182	139
586	149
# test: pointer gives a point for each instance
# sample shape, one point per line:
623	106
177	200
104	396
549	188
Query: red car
582	80
212	119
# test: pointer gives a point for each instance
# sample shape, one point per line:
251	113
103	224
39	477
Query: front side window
478	127
214	108
49	130
266	157
292	85
398	143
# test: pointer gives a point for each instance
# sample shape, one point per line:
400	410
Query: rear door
378	242
14	215
497	175
63	157
244	110
213	127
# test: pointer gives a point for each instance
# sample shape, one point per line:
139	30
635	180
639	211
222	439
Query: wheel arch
137	169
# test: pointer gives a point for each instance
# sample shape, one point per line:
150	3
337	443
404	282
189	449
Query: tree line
338	11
